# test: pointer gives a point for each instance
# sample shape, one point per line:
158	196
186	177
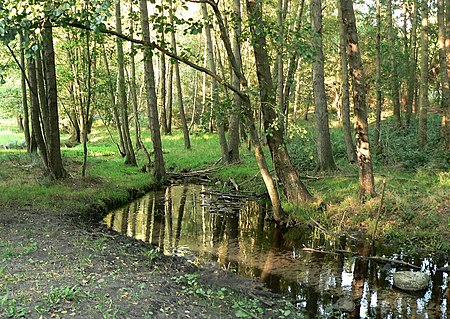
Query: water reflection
193	221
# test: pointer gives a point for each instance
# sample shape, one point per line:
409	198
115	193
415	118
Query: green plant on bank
7	252
66	294
11	308
244	307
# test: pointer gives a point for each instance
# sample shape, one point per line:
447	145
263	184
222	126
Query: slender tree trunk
346	123
184	127
215	89
130	158
169	106
162	90
114	109
26	116
149	79
35	113
294	190
366	180
412	81
54	152
194	102
445	128
325	159
87	110
394	82
377	139
235	116
42	94
423	115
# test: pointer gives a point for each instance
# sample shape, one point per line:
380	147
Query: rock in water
344	305
411	280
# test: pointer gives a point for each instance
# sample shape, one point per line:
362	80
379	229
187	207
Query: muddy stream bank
234	233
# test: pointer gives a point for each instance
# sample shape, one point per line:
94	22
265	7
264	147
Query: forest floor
56	265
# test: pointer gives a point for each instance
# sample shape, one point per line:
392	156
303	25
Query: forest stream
314	268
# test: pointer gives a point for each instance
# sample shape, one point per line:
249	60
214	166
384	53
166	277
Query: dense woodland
251	72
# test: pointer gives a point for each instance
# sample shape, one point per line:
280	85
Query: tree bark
149	79
366	180
54	152
169	105
423	113
412	66
130	158
346	123
445	127
294	190
325	159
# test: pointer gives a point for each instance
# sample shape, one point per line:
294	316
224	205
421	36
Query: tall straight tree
446	106
394	82
184	126
215	89
130	158
55	163
346	123
423	113
325	159
365	174
26	116
152	102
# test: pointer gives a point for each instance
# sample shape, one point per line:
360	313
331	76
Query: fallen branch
334	252
392	261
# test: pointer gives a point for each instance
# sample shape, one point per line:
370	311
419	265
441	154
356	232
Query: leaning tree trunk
346	123
130	158
366	180
422	134
294	190
152	102
325	159
54	151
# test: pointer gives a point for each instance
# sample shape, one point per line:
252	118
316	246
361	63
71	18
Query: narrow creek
233	232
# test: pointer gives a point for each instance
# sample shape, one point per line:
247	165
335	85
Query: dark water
232	232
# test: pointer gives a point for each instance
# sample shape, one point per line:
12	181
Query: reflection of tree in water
168	214
180	216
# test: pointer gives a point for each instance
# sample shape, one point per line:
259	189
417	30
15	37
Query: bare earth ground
54	265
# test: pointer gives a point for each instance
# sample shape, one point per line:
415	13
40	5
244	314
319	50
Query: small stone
411	280
344	305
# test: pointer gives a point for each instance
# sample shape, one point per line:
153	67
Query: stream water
233	232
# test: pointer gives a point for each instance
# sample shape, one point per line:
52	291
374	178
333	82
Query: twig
392	261
334	252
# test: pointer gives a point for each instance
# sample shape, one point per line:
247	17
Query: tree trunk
184	127
169	99
423	115
294	190
235	116
394	82
26	116
366	180
325	159
377	139
130	158
215	89
35	113
54	152
86	112
346	123
412	82
162	89
445	127
149	79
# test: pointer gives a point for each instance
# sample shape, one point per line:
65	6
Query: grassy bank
416	203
